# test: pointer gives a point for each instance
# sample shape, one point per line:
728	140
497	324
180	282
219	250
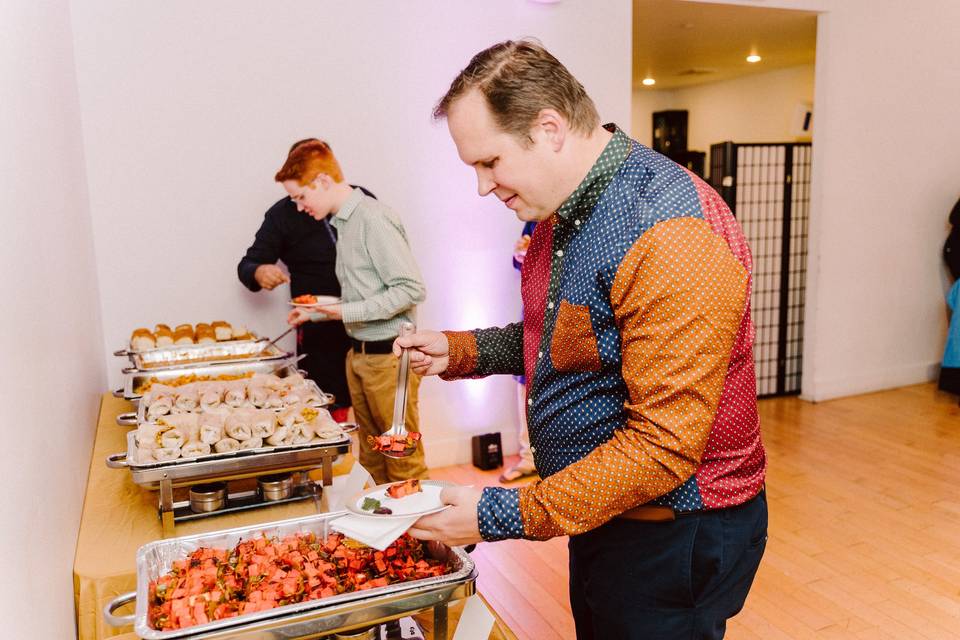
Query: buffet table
118	517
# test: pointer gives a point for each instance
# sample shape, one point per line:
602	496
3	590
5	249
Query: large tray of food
143	340
291	572
187	438
136	383
260	391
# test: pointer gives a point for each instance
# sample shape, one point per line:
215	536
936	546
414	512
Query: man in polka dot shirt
636	343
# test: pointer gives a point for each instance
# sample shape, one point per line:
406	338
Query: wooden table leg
440	621
166	507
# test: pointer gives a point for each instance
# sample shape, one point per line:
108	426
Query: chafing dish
135	381
234	465
305	619
129	351
200	354
138	417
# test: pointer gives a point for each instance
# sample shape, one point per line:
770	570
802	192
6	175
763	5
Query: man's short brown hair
308	159
518	79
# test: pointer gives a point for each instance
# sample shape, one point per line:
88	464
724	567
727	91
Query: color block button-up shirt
636	341
379	278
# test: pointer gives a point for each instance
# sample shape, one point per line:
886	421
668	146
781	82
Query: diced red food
388	442
263	573
404	488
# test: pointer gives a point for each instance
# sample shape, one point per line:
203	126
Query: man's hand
270	276
455	526
298	316
429	351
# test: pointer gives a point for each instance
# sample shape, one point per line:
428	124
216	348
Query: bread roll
164	335
185	327
142	339
205	334
240	332
183	336
222	330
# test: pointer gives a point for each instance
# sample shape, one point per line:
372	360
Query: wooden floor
864	528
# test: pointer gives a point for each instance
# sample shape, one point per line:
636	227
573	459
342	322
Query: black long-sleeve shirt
307	246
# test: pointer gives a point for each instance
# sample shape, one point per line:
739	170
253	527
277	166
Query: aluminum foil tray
155	559
195	354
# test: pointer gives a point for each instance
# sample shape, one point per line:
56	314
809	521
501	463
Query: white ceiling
686	43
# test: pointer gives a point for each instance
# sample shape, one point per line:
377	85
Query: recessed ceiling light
754	58
648	82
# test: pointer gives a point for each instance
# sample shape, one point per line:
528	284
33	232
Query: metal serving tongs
398	430
275	340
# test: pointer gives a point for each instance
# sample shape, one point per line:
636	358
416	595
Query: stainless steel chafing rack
305	619
134	382
222	467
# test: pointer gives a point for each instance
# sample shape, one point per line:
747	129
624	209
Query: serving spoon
398	430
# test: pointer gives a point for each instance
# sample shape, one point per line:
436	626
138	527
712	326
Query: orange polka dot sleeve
484	352
678	299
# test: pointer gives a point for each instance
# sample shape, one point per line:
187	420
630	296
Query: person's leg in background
367	424
374	376
524	466
380	384
326	345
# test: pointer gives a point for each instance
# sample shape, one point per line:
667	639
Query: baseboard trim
830	388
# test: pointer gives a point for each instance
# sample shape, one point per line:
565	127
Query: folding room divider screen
767	186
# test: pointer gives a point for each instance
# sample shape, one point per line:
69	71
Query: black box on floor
487	451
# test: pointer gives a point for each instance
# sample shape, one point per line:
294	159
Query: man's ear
322	180
551	128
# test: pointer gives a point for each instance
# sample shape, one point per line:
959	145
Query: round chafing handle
116	603
121	352
130	370
117	460
118	393
128	419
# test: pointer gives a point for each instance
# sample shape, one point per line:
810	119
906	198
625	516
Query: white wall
188	109
757	108
50	334
886	151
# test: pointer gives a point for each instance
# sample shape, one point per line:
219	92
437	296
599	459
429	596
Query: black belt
377	347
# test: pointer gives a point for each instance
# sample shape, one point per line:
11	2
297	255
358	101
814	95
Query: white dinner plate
418	504
322	301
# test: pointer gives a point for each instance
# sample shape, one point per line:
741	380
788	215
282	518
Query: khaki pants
372	379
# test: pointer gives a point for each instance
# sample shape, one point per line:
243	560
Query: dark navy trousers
676	580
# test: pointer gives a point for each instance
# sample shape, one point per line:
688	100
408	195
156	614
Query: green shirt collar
346	209
584	198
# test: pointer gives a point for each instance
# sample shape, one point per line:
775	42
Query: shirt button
540	355
533	449
576	222
530	402
560	253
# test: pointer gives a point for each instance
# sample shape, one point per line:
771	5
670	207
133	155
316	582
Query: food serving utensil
276	340
398	430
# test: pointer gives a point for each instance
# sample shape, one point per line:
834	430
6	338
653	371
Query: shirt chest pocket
573	346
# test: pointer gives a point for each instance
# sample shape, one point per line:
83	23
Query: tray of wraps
346	595
135	383
258	393
148	472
